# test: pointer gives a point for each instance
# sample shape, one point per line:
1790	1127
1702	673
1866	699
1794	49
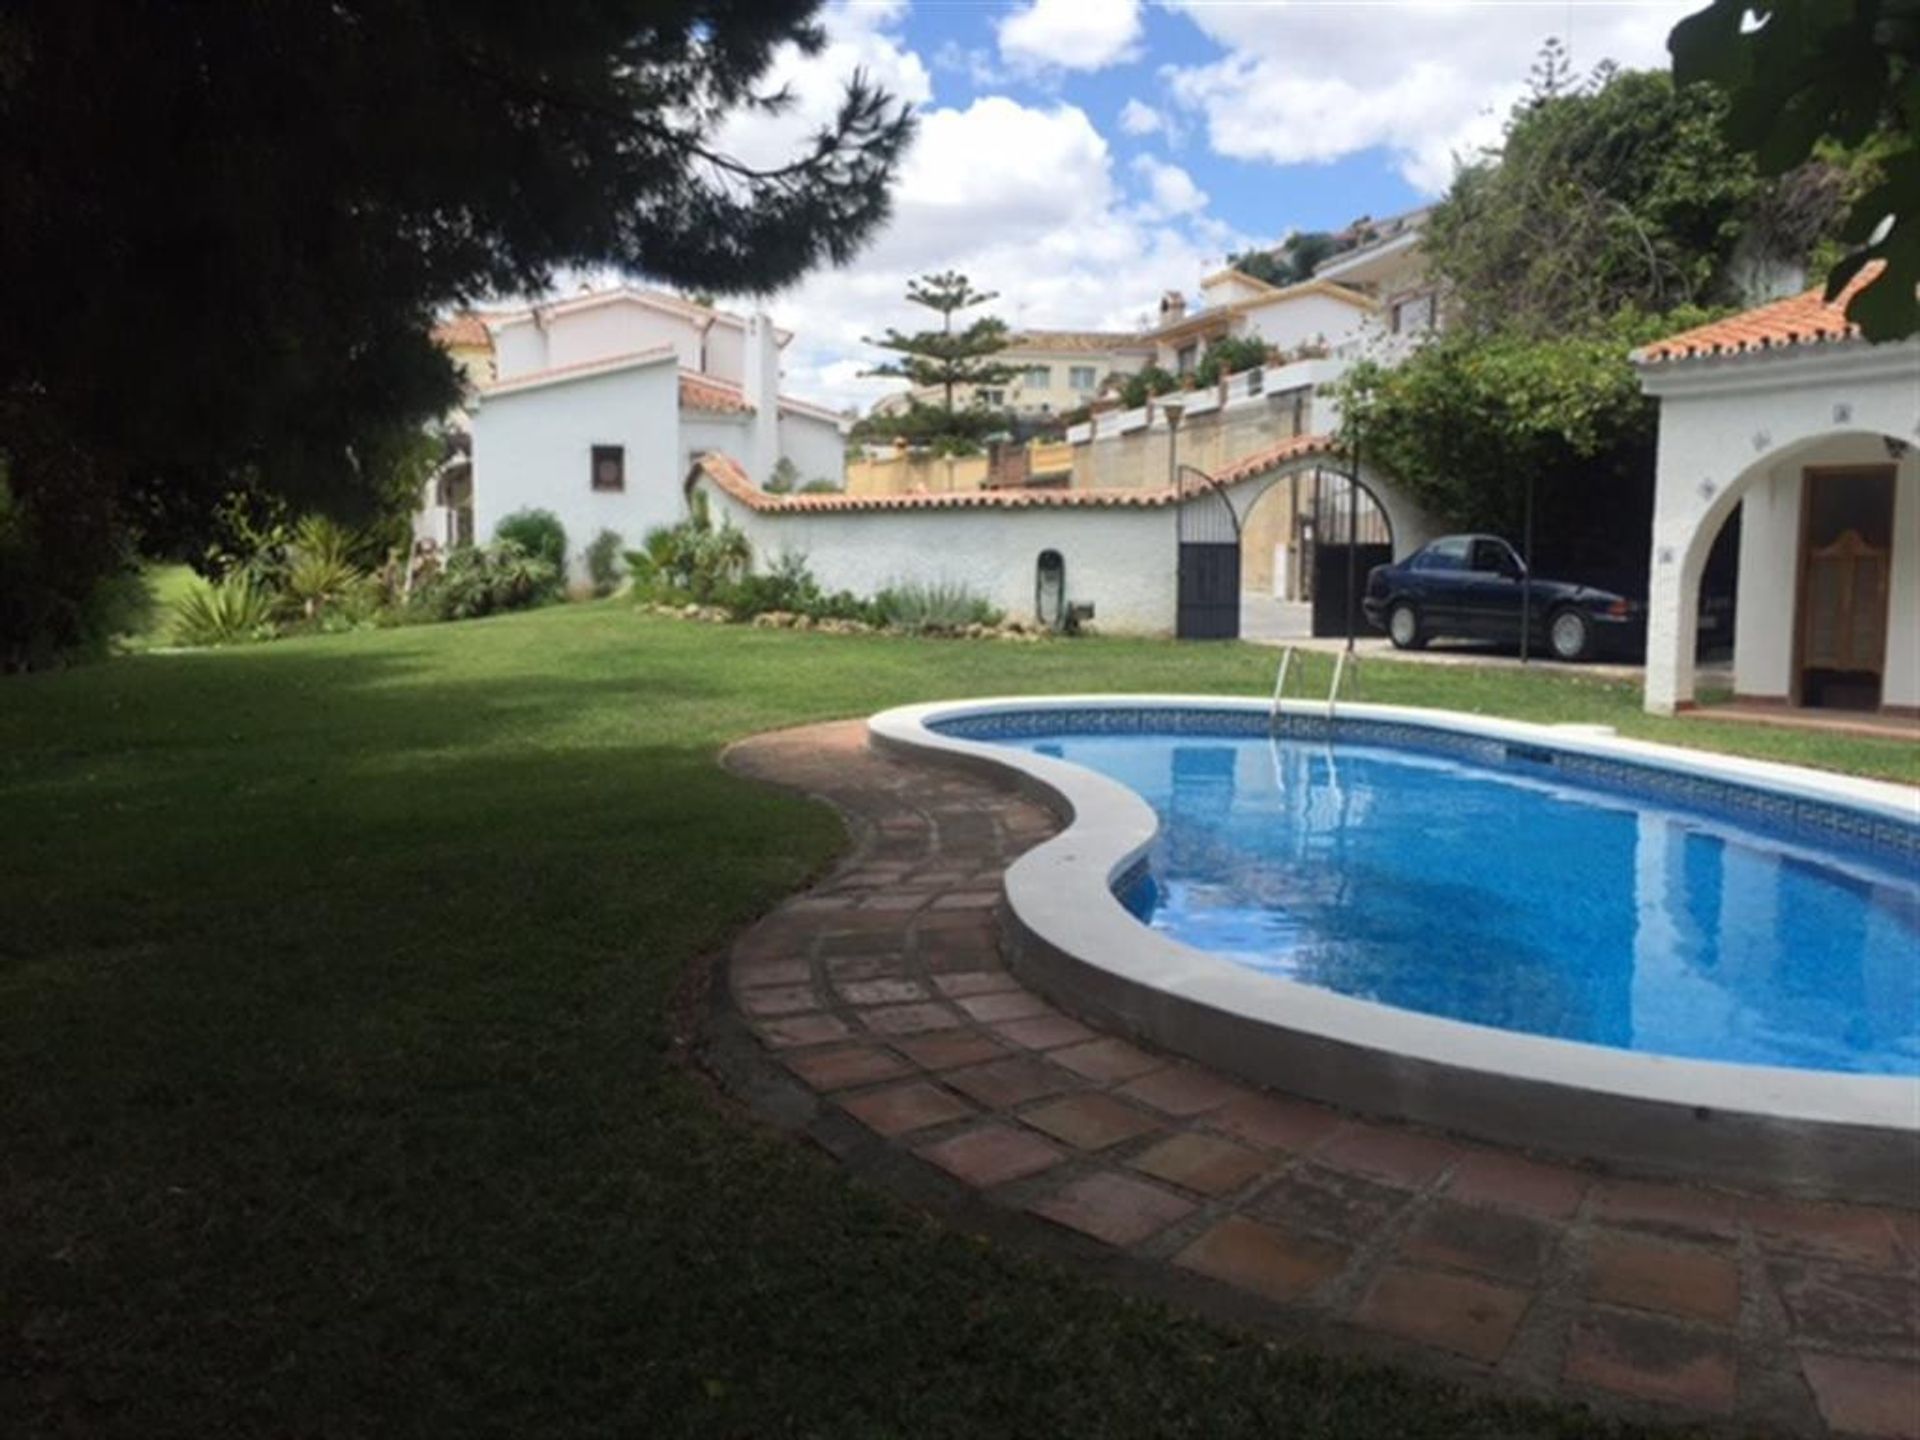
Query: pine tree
948	358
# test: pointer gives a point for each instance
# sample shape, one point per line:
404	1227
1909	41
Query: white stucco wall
1295	321
533	448
1726	427
1763	615
1121	560
815	446
702	431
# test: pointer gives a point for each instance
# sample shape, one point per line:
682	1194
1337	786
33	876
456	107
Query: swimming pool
1504	895
1548	935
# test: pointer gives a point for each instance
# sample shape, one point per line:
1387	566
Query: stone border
1811	1133
874	1015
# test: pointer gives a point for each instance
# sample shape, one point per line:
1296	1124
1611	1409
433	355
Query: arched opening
1302	537
1799	578
1050	590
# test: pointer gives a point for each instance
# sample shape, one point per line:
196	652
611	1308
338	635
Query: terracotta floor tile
909	1019
1184	1090
1461	1313
1043	1032
1202	1163
975	982
748	973
1512	1182
949	1049
1276	1124
901	1108
838	1069
880	992
1115	1208
1676	1209
1648	1274
1487	1241
794	1030
1272	1262
1836	1232
1397	1157
1831	1305
1876	1398
1311	1197
1008	1005
1090	1122
1650	1358
992	1155
1003	1084
779	1000
1107	1060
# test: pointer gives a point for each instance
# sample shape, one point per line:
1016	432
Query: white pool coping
1811	1132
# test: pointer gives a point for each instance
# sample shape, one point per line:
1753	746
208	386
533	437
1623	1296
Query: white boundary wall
1120	559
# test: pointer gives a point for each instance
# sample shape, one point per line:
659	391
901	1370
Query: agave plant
224	613
321	574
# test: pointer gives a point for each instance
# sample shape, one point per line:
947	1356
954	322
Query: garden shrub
785	476
821	486
603	562
694	560
929	606
790	588
225	611
539	533
484	580
320	575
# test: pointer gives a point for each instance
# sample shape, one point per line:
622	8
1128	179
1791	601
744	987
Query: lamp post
1353	530
1171	409
1526	576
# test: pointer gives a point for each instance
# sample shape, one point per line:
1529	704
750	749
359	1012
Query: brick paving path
883	993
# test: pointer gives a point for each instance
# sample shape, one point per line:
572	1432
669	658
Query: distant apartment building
1056	371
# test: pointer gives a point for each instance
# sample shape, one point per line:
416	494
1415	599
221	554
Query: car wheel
1403	628
1569	633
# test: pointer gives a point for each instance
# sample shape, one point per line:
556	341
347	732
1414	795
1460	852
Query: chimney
1173	306
760	386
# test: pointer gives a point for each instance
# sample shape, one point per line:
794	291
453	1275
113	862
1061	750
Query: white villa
598	403
1786	416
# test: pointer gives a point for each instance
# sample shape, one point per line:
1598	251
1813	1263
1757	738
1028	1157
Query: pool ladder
1333	690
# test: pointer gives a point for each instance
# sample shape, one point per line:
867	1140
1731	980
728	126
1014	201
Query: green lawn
335	984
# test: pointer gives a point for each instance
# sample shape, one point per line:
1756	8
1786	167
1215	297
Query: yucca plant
920	606
322	573
224	613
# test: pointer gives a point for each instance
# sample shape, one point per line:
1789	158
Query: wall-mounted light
1843	413
1896	447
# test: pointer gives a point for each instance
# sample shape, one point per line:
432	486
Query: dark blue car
1470	587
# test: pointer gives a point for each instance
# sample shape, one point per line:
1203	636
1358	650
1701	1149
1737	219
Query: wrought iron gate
1209	572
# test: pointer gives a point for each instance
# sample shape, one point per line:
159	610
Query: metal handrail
1339	670
1279	687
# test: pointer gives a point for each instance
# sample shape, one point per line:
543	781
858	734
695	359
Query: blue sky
1080	157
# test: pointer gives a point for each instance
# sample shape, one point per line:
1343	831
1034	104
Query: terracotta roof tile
531	378
702	392
465	329
1804	319
725	472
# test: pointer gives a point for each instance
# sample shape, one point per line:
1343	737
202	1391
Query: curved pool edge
1811	1133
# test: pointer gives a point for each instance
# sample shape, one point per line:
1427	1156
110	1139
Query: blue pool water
1510	896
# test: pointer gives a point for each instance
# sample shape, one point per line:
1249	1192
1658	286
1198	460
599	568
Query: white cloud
1171	189
1025	201
1071	34
1428	80
1137	118
1023	198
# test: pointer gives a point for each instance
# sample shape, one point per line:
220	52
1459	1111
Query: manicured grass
335	988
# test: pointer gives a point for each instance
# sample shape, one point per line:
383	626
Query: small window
1187	357
1492	557
1038	377
1413	315
993	399
610	467
1082	377
1450	554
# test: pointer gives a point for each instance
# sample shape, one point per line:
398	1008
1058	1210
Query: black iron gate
1209	540
1330	572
